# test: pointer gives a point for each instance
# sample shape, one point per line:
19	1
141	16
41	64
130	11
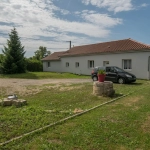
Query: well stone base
103	88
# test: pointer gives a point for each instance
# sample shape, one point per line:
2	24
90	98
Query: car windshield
101	68
119	69
96	68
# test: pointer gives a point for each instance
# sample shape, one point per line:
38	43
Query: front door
111	74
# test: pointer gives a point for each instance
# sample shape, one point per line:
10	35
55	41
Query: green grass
43	75
123	124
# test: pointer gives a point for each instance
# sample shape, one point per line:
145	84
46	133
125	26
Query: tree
41	53
14	60
1	58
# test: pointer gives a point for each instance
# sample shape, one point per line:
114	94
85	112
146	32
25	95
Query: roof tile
54	56
125	45
112	46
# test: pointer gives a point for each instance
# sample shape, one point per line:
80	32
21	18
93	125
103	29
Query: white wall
139	63
54	66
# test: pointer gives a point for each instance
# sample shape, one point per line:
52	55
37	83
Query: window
77	64
67	64
48	64
91	63
127	64
105	63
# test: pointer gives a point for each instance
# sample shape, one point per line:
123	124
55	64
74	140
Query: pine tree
14	60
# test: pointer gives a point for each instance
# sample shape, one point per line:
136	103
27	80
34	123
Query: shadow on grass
116	95
134	84
28	75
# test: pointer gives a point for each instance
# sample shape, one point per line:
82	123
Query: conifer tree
14	60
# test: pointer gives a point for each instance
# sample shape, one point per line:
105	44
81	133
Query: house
128	54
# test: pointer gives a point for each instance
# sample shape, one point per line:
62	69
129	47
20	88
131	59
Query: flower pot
101	77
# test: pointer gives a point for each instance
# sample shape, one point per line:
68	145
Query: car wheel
95	78
121	81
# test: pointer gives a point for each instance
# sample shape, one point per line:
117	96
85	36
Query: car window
101	68
108	69
119	69
112	69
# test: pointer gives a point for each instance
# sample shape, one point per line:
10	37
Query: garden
121	124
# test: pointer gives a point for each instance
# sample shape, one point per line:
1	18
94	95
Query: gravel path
20	85
25	82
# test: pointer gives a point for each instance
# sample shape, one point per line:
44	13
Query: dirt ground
27	86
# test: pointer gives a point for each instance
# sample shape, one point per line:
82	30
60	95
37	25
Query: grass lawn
43	75
123	124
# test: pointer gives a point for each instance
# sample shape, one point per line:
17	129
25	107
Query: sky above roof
51	23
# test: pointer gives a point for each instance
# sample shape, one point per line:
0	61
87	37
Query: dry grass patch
146	125
130	101
122	148
110	119
68	88
77	110
20	90
133	102
55	141
27	90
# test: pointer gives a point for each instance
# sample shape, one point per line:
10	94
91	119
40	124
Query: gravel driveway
20	85
24	82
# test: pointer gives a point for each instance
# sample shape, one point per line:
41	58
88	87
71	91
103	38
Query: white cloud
37	18
144	5
65	12
111	5
102	20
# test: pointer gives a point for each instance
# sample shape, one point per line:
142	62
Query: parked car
114	74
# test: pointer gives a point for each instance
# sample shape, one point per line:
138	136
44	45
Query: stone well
103	88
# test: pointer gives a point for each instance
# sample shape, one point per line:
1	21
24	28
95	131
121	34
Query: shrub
34	65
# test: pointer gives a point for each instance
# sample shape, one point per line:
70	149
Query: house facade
130	55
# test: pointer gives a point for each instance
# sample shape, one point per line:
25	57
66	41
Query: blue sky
51	23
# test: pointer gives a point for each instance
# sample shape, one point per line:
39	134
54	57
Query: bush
0	68
34	65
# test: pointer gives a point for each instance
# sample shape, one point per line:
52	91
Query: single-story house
128	54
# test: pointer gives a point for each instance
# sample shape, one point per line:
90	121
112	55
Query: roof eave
129	51
52	60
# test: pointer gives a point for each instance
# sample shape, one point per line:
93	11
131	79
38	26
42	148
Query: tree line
13	59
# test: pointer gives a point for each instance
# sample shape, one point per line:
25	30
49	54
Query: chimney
70	44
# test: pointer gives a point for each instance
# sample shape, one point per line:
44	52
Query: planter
101	77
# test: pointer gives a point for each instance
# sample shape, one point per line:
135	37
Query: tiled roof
125	45
112	46
54	56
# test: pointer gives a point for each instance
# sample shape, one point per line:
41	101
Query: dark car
114	74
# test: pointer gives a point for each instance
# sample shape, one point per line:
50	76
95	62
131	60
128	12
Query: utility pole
70	43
